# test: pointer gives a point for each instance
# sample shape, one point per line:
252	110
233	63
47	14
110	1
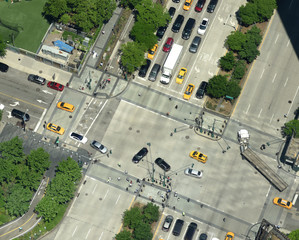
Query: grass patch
28	15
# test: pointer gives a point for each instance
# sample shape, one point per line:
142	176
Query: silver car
193	173
100	147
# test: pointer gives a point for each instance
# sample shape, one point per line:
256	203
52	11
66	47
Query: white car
203	26
78	137
193	173
98	146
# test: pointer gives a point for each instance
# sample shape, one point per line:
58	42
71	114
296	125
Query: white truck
170	63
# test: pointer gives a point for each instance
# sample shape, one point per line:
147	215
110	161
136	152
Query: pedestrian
277	119
176	107
223	219
139	95
118	179
183	213
45	122
101	64
178	198
103	32
127	179
285	116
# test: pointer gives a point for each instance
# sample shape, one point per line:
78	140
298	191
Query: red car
168	44
199	5
56	86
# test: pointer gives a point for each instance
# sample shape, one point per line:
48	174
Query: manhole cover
86	194
40	71
187	137
70	116
138	131
38	89
130	128
100	199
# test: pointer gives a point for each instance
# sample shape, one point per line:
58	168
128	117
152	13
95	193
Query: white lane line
288	43
248	108
40	120
106	194
74	231
276	38
293	100
117	199
286	82
94	188
87	234
268	191
262	73
271	118
274	78
260	113
101	235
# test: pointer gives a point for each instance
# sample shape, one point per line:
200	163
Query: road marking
17	228
94	188
15	104
260	113
74	231
9	114
262	73
101	235
286	82
47	92
87	234
271	118
293	100
158	227
276	38
40	120
121	225
268	191
288	43
117	199
41	101
248	108
274	78
106	194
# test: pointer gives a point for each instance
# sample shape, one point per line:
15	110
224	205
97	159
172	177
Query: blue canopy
63	46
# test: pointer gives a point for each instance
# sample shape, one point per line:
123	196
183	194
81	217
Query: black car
3	67
144	68
188	28
176	1
37	79
141	154
178	227
195	44
171	12
201	90
160	32
177	23
20	115
162	164
190	231
167	223
203	236
212	5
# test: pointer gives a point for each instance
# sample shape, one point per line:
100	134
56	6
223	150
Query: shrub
228	61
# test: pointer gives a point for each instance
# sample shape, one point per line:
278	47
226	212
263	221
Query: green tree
38	160
143	231
228	61
233	89
69	168
235	41
2	54
65	18
265	9
54	9
27	178
47	208
150	213
217	86
124	235
294	235
12	149
248	14
249	51
239	71
254	35
105	10
132	217
18	200
292	127
132	56
143	33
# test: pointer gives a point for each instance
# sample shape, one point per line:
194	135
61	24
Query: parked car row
199	5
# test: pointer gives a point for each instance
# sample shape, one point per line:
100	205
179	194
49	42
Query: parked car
181	76
199	5
198	156
3	67
152	52
160	32
20	115
55	128
144	68
229	236
190	231
66	106
189	91
98	146
168	44
194	173
167	223
177	23
78	137
187	5
171	12
203	26
154	72
162	164
56	86
212	5
188	28
176	1
141	154
203	236
282	203
178	227
202	89
195	44
37	79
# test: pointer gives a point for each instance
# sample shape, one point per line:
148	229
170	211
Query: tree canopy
217	86
2	48
150	213
132	217
124	235
292	127
294	235
235	40
228	61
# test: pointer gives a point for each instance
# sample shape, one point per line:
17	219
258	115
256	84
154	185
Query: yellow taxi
229	236
189	91
181	76
55	128
152	52
282	203
66	106
198	156
187	5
